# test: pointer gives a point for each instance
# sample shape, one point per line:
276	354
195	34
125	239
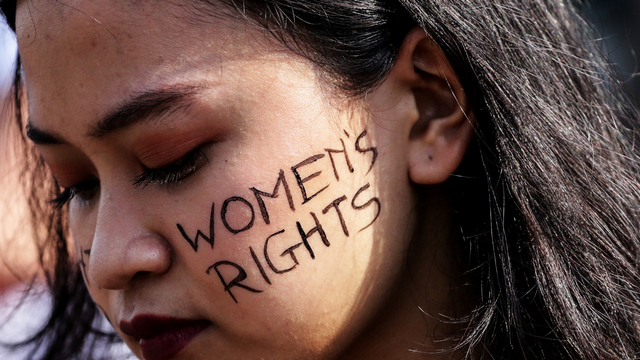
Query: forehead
81	57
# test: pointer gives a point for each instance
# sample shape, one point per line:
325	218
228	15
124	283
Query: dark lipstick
162	337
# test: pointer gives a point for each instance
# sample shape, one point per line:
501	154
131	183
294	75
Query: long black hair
549	192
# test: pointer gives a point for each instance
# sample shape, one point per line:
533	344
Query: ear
441	125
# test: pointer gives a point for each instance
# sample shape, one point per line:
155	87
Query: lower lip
167	345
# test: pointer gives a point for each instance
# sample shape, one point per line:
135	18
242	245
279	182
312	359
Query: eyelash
85	189
172	173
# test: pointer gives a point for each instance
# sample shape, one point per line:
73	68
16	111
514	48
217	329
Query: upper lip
147	326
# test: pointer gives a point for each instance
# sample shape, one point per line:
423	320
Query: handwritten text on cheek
279	255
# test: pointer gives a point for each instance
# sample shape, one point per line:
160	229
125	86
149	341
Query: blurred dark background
618	22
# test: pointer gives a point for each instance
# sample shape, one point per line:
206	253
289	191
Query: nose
124	248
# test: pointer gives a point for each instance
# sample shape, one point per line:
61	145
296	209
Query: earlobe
444	126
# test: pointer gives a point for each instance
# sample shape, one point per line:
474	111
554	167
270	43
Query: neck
419	320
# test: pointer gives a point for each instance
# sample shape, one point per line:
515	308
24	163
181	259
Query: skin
258	108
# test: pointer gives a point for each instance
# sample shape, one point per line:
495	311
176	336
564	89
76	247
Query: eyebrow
151	104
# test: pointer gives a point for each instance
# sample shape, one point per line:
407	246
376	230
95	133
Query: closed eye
84	190
174	172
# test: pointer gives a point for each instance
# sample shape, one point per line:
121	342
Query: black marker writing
223	214
301	181
372	149
334	204
259	194
237	281
199	234
83	265
305	235
232	274
346	158
288	251
366	205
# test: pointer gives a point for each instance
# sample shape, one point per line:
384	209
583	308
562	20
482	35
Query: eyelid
68	165
85	190
74	175
69	179
161	152
174	172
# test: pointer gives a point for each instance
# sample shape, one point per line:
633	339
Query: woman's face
223	204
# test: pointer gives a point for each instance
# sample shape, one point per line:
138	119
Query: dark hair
549	192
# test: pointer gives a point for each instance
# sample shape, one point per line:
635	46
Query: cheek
293	252
287	213
82	226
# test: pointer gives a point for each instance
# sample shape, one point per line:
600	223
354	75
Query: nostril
141	275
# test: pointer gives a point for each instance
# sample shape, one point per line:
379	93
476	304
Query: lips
161	338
